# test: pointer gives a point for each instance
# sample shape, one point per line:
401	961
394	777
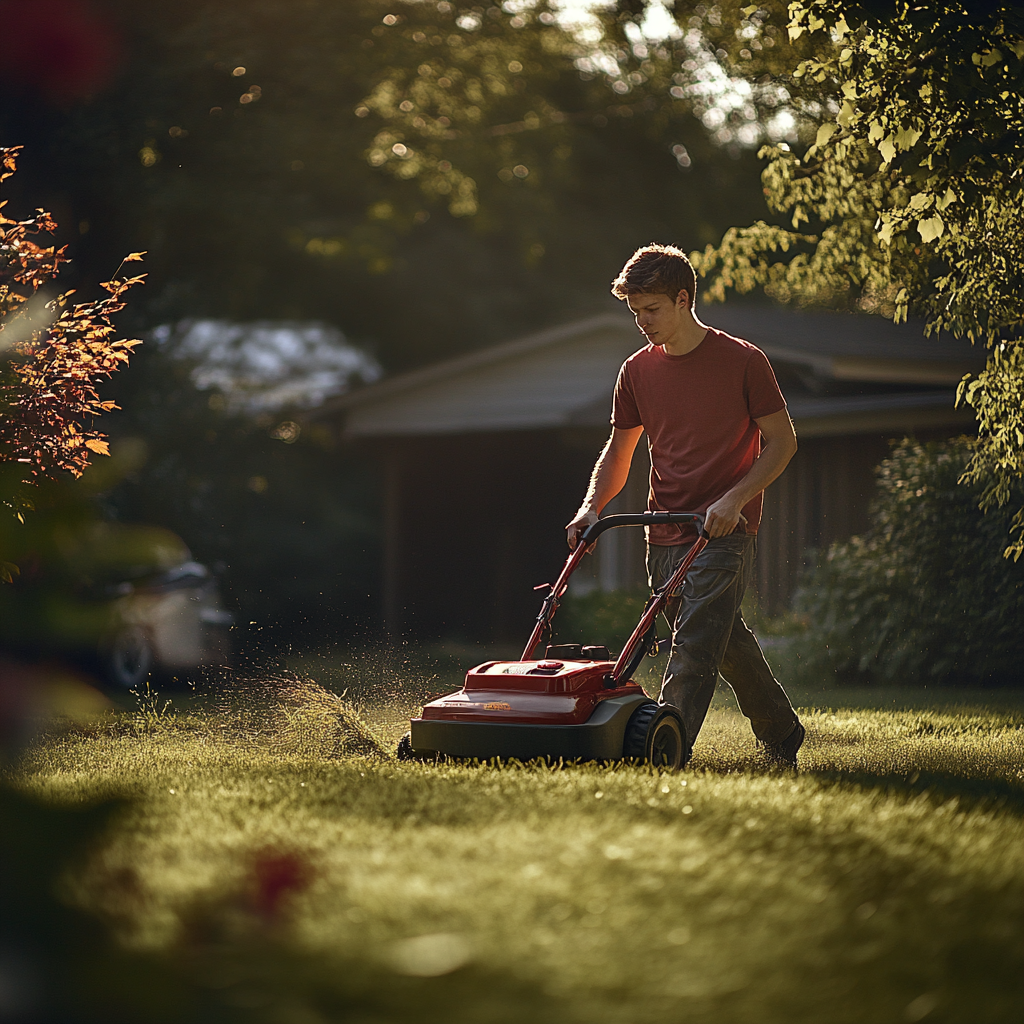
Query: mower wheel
405	752
655	734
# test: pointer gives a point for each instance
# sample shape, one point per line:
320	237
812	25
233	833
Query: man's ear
683	297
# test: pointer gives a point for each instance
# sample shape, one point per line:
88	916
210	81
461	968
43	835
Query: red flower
278	876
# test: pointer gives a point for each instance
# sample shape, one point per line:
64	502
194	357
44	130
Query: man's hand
779	446
584	518
722	517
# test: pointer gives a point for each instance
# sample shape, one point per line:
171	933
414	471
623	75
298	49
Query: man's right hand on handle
583	519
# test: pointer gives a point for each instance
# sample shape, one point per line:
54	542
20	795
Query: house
484	458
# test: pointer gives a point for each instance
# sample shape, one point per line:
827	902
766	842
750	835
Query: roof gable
564	376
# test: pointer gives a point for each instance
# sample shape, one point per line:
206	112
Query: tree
59	353
278	191
911	193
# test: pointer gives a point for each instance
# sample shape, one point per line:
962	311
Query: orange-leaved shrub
53	356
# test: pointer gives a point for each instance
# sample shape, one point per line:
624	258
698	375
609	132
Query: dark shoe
784	753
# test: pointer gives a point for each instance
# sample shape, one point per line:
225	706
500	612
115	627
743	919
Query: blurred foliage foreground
279	865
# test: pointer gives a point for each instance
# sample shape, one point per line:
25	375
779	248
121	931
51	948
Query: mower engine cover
525	709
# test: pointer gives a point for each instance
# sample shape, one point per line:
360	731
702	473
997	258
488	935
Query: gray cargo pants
709	636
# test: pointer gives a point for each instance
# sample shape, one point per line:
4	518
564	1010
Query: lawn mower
575	703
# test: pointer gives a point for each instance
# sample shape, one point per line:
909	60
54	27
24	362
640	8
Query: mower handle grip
592	532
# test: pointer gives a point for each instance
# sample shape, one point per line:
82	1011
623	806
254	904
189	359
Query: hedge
925	596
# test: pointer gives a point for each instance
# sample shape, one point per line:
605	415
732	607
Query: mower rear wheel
655	734
404	751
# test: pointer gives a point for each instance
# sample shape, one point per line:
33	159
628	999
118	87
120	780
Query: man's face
657	315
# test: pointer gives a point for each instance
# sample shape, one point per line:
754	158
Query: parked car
124	598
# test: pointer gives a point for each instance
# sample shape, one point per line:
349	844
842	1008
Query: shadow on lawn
940	787
721	750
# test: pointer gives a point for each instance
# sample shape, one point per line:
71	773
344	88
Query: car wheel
655	734
129	658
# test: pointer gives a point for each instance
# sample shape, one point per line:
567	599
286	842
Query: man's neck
690	334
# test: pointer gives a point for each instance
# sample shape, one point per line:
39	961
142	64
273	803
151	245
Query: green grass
882	883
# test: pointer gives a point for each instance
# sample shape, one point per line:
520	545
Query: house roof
564	376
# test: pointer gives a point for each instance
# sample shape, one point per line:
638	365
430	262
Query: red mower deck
576	703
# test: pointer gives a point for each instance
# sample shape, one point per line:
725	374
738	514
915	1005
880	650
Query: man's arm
778	448
608	478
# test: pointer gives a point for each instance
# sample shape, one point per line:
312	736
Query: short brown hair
657	270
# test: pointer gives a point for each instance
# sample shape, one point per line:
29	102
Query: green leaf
825	132
907	138
930	228
887	148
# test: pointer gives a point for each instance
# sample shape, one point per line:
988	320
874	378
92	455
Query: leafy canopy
909	198
431	176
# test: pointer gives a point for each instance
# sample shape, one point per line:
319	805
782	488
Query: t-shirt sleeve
763	394
625	414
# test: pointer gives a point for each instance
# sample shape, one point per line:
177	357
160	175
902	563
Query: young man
719	434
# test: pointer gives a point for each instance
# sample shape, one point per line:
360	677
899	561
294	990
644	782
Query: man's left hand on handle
723	517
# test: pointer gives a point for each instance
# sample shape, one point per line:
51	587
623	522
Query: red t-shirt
698	411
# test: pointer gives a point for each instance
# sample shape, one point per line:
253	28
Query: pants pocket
717	569
708	580
722	555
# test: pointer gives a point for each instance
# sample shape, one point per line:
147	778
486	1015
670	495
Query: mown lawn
883	882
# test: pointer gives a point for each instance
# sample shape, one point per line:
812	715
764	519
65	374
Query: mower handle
585	543
592	532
